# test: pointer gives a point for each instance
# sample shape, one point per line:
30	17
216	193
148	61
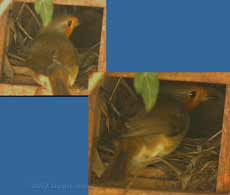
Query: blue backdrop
43	145
168	35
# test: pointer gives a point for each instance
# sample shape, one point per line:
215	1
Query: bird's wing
166	118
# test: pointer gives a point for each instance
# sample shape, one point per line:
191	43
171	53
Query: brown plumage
53	58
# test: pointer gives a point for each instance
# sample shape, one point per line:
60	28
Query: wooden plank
102	53
223	179
207	77
26	81
94	3
29	90
117	191
3	29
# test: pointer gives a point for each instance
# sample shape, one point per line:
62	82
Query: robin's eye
192	94
69	23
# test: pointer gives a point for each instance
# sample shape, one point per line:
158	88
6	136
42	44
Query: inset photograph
50	47
158	132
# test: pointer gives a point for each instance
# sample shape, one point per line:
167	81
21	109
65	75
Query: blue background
168	35
43	145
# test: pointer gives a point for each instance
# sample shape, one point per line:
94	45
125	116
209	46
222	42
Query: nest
193	166
24	25
198	158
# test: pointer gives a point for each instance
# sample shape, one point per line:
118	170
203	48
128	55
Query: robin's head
190	95
195	96
63	24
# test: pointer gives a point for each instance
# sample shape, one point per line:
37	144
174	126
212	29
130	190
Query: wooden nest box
22	84
222	183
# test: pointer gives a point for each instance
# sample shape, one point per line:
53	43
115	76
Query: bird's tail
58	80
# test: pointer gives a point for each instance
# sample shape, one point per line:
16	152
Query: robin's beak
210	96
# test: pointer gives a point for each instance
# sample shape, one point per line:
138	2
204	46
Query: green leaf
147	85
45	9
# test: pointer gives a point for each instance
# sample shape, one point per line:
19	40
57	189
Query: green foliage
147	85
45	9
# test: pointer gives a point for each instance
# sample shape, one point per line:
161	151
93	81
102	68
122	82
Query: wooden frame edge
29	90
3	22
205	77
102	51
95	3
223	178
93	190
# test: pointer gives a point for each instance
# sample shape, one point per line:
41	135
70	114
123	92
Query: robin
148	136
206	117
52	57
